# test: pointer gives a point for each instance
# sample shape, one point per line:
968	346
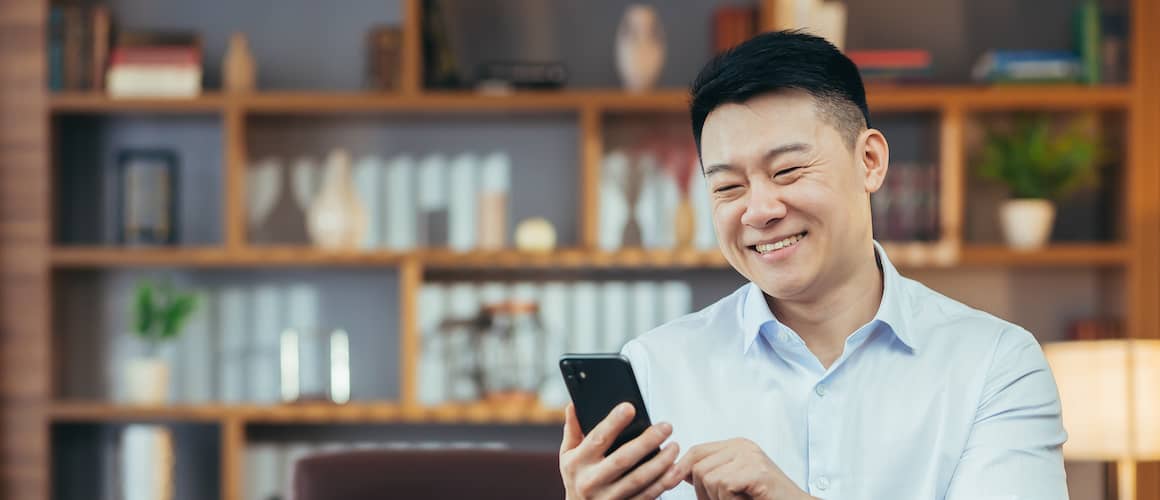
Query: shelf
996	97
881	98
95	102
905	255
353	413
1057	255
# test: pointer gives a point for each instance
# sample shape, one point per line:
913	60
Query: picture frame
147	197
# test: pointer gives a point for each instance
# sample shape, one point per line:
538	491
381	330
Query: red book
170	56
894	59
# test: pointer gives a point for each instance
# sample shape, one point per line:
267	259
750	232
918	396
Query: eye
723	189
787	171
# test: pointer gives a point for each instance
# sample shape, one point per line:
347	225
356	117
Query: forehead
738	130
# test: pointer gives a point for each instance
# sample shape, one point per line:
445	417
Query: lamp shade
1110	391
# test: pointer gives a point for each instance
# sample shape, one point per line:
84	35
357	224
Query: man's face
789	193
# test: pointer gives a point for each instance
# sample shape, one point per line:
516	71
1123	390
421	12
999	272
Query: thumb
572	434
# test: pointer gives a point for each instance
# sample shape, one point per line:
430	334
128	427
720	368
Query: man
829	375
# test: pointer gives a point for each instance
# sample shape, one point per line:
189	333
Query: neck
826	319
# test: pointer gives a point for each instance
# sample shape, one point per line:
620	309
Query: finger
700	469
670	480
572	434
633	452
597	442
697	453
648	474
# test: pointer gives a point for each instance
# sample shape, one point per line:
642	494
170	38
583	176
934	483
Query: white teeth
778	245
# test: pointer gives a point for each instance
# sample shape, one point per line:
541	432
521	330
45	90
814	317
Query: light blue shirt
929	400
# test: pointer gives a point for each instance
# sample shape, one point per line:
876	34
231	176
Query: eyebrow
772	154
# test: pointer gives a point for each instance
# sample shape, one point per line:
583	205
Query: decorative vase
640	48
684	220
337	217
147	462
1026	223
238	72
147	381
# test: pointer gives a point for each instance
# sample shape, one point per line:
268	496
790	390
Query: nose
764	205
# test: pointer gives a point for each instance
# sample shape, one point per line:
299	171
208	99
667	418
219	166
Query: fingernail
622	409
665	427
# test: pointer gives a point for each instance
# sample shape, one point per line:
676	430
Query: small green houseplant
1040	166
159	314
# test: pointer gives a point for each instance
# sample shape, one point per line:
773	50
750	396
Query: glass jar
509	352
315	365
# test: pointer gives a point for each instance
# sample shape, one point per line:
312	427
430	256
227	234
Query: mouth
773	246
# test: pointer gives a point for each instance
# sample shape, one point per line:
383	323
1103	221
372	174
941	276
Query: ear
874	158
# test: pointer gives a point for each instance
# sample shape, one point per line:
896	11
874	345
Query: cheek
727	216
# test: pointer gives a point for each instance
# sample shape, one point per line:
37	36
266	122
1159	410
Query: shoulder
708	328
953	327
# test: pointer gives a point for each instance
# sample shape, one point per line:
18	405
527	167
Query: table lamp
1110	392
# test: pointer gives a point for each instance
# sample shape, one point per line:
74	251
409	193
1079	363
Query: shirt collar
757	318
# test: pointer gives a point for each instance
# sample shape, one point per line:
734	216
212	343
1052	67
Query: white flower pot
1026	224
147	381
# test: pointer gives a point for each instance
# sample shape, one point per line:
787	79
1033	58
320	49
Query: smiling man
828	375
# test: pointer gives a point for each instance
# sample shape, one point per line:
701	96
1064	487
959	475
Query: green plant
1036	163
160	312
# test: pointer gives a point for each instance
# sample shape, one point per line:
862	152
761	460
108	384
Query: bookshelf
34	260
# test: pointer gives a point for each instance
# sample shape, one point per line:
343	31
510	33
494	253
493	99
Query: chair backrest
414	474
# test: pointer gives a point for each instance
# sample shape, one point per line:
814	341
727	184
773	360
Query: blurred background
237	233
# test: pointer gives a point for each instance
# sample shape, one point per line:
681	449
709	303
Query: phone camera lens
583	375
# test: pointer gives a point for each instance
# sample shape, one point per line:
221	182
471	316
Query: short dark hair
784	60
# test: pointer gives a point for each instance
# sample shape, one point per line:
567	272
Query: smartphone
599	382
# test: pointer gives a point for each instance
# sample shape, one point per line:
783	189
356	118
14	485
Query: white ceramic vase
1026	223
337	218
147	462
146	381
640	48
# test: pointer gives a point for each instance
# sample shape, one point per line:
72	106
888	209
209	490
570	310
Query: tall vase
238	72
684	220
640	48
337	218
147	462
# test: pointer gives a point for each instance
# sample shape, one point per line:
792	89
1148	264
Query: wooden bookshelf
1058	255
908	255
92	102
882	98
320	413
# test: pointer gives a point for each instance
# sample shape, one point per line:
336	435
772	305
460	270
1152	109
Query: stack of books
895	66
78	47
1027	66
155	64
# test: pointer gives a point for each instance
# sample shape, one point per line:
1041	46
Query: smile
765	248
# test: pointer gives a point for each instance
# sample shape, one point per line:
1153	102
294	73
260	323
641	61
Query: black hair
784	60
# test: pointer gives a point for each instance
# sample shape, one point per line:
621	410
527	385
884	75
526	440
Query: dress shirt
931	399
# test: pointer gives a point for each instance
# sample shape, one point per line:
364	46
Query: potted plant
1040	167
159	313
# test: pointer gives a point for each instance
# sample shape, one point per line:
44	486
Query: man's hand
588	474
736	468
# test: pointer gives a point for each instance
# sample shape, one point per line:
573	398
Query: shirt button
820	389
822	483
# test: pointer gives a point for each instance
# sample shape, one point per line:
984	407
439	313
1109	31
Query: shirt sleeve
1014	451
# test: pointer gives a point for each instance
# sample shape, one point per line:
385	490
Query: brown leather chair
416	474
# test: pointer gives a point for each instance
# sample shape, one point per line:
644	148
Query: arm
1014	450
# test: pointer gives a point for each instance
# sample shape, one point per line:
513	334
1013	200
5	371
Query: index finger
696	454
597	442
572	435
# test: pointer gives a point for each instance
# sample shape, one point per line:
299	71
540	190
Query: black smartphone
599	382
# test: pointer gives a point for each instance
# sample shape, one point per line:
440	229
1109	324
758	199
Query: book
1027	66
101	26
